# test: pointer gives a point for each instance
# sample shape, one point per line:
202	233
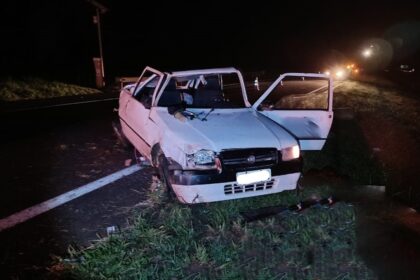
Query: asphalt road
47	152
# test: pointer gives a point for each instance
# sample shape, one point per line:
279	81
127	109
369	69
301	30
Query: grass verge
386	102
347	154
33	88
388	118
174	241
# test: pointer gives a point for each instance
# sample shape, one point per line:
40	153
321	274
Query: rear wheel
116	126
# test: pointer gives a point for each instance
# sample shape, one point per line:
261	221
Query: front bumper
196	186
191	194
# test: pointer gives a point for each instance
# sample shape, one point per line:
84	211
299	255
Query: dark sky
58	39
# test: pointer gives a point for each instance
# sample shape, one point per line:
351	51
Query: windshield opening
203	91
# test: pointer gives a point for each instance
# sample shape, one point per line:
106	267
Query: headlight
202	157
290	153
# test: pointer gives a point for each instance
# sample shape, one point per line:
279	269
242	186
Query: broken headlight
204	159
290	153
201	158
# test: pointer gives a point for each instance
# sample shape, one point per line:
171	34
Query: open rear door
302	104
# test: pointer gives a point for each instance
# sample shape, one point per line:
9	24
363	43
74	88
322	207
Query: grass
387	102
389	119
173	241
33	88
347	154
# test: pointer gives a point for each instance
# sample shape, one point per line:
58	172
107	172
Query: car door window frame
282	76
140	86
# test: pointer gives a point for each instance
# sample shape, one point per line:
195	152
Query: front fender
173	152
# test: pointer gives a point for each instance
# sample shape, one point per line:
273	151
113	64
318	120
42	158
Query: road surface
48	152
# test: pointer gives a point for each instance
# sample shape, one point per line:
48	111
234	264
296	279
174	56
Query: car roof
225	70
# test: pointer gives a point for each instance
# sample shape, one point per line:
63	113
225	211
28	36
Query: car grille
235	188
241	159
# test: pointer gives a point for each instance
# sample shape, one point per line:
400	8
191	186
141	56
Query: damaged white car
211	144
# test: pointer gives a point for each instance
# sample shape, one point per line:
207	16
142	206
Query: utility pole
99	62
98	23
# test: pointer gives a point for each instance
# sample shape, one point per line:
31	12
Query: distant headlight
339	74
290	153
202	157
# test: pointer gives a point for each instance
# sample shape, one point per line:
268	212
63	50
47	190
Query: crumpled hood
224	129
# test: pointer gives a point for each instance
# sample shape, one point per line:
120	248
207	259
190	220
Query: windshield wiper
208	113
192	115
181	108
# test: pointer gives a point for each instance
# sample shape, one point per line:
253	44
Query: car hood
223	129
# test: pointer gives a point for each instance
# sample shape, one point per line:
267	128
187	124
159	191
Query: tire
116	126
299	187
167	193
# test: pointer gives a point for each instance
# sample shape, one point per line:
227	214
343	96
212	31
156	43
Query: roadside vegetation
387	102
388	117
34	88
173	241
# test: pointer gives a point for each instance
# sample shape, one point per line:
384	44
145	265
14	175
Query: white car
211	144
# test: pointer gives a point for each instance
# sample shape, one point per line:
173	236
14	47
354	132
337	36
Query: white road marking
45	206
66	104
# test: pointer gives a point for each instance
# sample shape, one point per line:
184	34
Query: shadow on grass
348	164
347	154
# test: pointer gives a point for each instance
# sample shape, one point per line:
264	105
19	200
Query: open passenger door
302	104
135	110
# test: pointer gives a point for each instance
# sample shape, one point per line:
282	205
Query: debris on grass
112	230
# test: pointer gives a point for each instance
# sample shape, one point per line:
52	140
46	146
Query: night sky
57	39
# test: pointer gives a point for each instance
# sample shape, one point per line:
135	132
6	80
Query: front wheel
165	191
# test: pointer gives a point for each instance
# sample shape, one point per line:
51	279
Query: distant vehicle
210	143
341	72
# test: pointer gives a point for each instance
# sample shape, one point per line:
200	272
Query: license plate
251	177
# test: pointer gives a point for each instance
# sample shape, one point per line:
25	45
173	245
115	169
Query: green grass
174	241
347	153
385	101
33	88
